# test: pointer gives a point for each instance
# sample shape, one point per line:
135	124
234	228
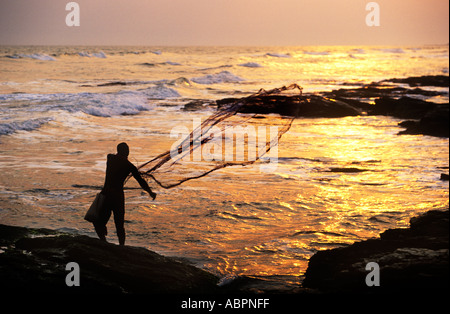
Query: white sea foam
278	55
53	106
160	92
358	51
222	77
108	105
393	50
251	65
37	56
94	104
100	54
7	128
171	63
181	81
317	53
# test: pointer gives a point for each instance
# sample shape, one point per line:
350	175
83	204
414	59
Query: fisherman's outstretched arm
142	182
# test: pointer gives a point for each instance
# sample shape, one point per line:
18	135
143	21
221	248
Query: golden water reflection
345	180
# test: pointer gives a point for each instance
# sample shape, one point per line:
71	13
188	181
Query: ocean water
63	109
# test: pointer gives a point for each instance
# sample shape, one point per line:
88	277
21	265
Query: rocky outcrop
390	100
426	80
434	123
323	107
410	260
312	106
34	260
400	102
413	259
403	108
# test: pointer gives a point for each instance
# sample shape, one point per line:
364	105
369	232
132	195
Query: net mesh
241	132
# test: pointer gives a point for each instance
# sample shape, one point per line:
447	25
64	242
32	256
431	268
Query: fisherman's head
123	149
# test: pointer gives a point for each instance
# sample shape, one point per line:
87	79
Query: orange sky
224	22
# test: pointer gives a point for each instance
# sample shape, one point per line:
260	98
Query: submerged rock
266	104
413	259
311	106
194	105
34	260
434	123
427	80
390	100
400	102
404	108
322	107
348	170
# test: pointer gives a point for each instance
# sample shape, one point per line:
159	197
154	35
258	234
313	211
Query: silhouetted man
118	168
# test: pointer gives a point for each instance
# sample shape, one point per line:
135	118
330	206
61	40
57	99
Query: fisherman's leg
101	230
119	220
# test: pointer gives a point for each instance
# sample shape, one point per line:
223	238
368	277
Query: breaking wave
218	78
393	50
251	65
37	56
317	53
50	106
278	55
27	125
161	92
100	54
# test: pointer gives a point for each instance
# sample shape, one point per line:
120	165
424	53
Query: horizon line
220	45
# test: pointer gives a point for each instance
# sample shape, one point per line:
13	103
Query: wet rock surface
388	98
413	259
34	260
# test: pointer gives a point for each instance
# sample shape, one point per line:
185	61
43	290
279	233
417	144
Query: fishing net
241	132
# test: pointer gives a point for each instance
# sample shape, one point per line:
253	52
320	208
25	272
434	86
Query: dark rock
404	108
348	170
311	106
434	123
369	91
322	107
34	260
444	177
390	100
377	90
410	259
400	102
364	107
427	80
194	105
283	105
119	83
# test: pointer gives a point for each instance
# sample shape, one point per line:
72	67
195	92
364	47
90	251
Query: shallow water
337	180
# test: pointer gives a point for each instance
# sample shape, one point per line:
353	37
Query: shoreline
413	259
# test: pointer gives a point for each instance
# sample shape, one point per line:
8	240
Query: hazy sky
224	22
